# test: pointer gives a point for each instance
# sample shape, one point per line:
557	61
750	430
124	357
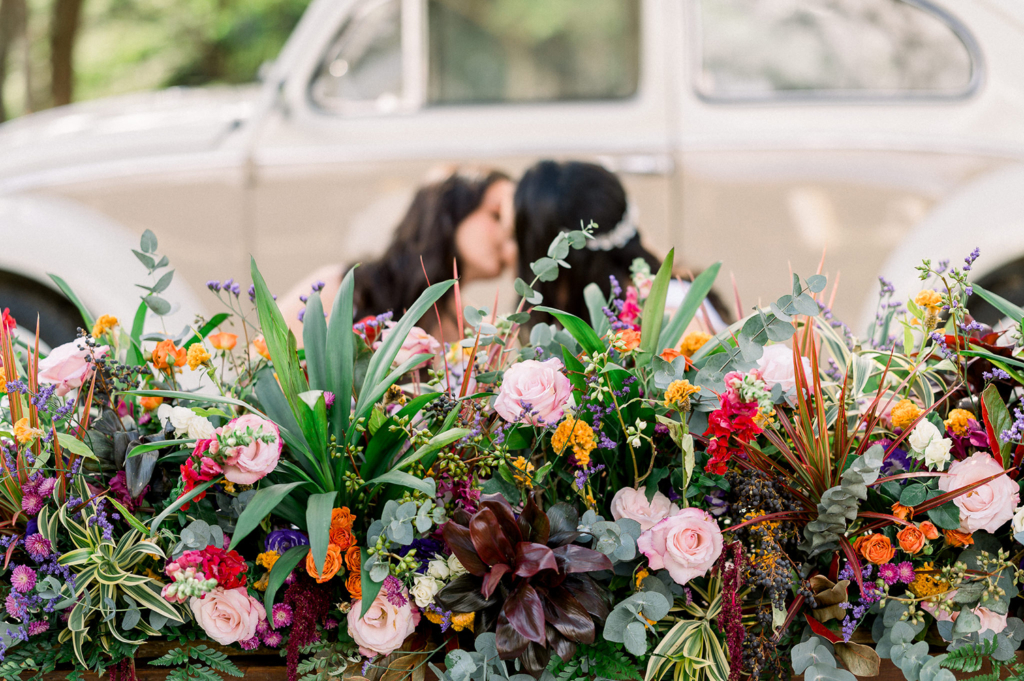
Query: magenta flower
32	504
330	623
17	607
281	615
37	546
46	487
250	643
36	628
328	399
23	579
272	639
394	591
889	573
906	572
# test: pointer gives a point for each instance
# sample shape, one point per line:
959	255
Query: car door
383	95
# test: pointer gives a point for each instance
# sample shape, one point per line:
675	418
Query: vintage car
758	132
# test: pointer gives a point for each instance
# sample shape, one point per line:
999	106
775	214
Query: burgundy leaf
493	578
463	595
574	558
490	542
525	612
509	642
536	659
460	541
532	558
563	520
568	616
505	515
590	594
562	646
534	523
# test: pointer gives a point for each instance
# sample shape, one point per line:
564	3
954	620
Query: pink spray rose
777	367
418	342
385	626
632	503
228	615
251	447
66	367
686	544
987	507
539	385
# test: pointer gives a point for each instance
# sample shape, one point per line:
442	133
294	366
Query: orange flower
354	585
911	539
668	354
342	518
876	548
25	433
958	538
166	356
692	342
261	347
332	564
352	558
929	529
903	414
627	340
149	403
223	340
902	512
342	537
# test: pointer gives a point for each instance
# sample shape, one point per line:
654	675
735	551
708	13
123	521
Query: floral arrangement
626	497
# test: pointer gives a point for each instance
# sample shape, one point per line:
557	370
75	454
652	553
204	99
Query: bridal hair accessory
618	237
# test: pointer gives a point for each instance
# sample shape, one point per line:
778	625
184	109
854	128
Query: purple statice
888	573
282	540
906	572
16	606
940	345
971	326
16	386
213	286
250	643
445	615
942	266
870	595
318	286
366	665
23	579
688	595
36	628
302	315
38	546
272	639
32	504
281	615
969	260
304	299
1015	432
996	374
394	591
42	398
252	293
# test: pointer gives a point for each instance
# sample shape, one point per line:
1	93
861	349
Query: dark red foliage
123	670
527	580
310	603
730	619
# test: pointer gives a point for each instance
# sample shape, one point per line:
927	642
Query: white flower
424	589
438	569
455	566
937	453
923	434
185	421
1018	521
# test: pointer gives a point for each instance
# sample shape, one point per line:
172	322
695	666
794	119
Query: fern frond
173	657
970	658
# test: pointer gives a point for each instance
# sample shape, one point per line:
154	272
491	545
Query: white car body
764	183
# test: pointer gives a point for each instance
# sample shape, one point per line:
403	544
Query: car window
361	71
751	49
532	50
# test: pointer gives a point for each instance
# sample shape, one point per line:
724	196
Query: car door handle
638	164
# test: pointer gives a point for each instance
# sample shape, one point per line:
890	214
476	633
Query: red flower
227	567
732	420
194	472
8	320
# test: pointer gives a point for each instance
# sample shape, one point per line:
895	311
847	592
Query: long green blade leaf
580	330
403	479
178	395
153	446
282	568
341	355
596	303
261	504
437	442
135	357
206	328
318	524
654	308
695	296
66	290
314	340
368	587
1014	312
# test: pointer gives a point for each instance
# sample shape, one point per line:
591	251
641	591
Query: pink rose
777	367
66	367
384	628
990	621
228	615
632	503
986	507
540	386
686	544
251	447
418	342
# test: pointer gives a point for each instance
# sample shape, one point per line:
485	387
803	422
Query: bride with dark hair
553	197
464	220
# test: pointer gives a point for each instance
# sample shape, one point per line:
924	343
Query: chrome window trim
809	96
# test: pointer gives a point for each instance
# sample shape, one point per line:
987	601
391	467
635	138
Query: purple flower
330	623
996	374
281	615
36	628
262	627
282	540
328	399
906	572
250	643
119	486
394	591
46	487
272	639
23	579
37	546
32	504
213	285
16	606
889	573
717	505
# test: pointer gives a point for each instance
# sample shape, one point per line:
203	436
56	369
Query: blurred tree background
53	52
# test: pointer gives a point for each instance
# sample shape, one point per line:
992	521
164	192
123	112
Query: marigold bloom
166	356
929	529
262	583
626	340
668	354
197	356
928	299
577	434
354	584
150	402
261	347
24	433
925	584
103	324
911	539
521	469
332	564
958	538
463	620
678	394
223	340
904	413
959	421
902	512
267	559
692	342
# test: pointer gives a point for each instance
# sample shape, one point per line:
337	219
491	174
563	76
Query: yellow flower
928	299
24	433
263	583
463	620
958	421
267	559
197	356
575	432
641	576
228	486
692	342
3	381
103	324
678	394
904	413
521	470
926	584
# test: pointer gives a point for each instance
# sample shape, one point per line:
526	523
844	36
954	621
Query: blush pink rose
539	385
990	621
66	368
632	504
987	507
251	447
686	544
777	367
228	615
384	628
418	342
